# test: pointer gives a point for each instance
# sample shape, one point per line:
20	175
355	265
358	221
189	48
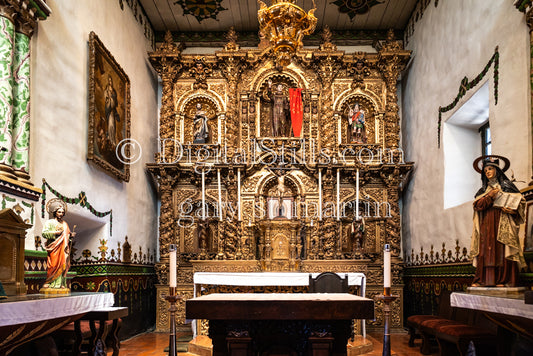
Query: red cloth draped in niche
295	95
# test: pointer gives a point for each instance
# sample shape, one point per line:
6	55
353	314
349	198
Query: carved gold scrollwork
359	71
232	68
200	70
229	85
392	59
167	62
327	69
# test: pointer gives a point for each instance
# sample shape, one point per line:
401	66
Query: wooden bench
444	312
456	339
453	329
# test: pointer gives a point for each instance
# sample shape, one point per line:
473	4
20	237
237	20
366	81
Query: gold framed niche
264	120
210	107
285	211
372	121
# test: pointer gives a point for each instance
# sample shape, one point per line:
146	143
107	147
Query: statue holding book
499	209
58	244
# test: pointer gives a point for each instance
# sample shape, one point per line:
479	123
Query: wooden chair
325	282
328	282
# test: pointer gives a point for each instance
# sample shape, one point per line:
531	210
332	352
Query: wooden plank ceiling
242	15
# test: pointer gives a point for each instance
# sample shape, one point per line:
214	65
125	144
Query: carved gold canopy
284	24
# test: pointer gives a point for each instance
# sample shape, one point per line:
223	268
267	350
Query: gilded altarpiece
240	193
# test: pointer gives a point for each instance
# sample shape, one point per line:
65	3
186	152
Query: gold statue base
49	290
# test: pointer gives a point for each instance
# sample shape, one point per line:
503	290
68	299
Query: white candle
219	121
182	129
172	269
338	194
203	194
239	194
319	194
376	130
219	195
357	195
339	128
386	267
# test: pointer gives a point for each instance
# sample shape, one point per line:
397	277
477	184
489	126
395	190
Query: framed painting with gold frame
109	112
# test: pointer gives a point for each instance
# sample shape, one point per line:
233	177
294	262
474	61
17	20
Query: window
486	141
464	133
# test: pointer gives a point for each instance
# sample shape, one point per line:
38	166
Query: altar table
102	316
27	317
508	305
510	313
260	322
271	279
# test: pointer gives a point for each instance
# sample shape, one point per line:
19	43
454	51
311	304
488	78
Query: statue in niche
356	122
280	201
57	234
281	190
357	233
279	113
201	127
499	209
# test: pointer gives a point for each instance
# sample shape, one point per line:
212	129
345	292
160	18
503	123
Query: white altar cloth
271	279
493	304
38	307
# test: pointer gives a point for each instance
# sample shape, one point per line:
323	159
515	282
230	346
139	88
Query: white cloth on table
270	279
32	308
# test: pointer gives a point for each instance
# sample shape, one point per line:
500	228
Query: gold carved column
391	61
232	64
327	63
166	61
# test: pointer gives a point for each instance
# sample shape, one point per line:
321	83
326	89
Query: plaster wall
452	40
59	122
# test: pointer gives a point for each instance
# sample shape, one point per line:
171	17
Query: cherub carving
200	71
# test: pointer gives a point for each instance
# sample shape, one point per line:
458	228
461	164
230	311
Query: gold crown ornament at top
284	24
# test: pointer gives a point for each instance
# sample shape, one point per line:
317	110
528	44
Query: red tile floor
154	344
